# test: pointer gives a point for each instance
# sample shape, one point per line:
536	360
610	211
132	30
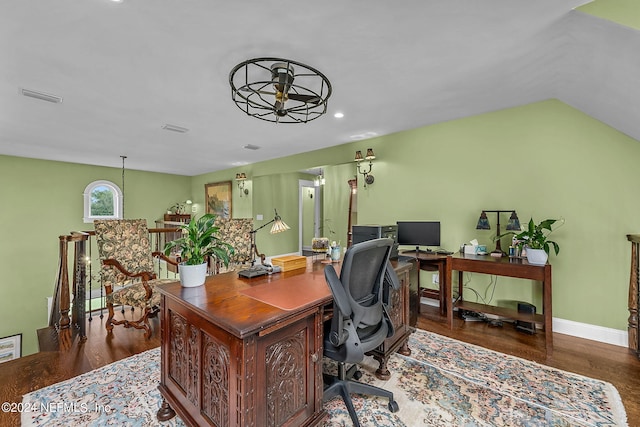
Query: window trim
117	200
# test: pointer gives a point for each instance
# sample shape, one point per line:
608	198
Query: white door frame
316	220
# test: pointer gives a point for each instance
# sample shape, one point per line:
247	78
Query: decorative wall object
10	347
218	199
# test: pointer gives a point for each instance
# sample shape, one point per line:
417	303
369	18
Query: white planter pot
192	275
537	256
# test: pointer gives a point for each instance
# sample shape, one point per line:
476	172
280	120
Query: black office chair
360	322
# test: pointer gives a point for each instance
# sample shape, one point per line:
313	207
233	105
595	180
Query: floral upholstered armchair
236	232
127	270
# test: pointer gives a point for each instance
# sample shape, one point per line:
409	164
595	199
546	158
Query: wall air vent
251	147
175	128
41	95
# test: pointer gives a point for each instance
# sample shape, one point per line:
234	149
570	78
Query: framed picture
218	198
10	347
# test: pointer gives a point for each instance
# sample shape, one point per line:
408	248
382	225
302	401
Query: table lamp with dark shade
512	225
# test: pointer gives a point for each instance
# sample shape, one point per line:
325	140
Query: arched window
102	200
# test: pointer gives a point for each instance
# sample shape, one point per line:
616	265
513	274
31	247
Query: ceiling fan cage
279	90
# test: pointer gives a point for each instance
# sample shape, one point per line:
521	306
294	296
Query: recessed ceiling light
338	115
175	128
41	95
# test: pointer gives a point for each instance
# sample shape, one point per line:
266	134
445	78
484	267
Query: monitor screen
419	233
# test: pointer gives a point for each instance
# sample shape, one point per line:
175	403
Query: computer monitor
419	233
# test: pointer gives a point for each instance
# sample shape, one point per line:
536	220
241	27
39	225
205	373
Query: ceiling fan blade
307	99
263	92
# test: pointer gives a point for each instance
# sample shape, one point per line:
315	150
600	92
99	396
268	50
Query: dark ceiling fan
272	89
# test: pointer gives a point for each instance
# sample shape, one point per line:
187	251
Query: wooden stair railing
634	295
67	326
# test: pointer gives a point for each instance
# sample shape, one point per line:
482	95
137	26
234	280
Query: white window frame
117	201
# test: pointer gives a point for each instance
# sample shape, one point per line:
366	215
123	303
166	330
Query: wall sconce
512	225
319	180
241	178
368	178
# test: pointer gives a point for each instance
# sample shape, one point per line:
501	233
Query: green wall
625	12
42	200
546	160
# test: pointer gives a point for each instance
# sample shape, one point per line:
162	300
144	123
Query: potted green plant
199	240
535	240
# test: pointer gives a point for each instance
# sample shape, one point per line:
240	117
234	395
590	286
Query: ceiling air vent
175	128
41	95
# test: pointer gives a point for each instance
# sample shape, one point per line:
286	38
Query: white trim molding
591	332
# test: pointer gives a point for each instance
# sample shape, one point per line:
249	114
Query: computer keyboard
443	252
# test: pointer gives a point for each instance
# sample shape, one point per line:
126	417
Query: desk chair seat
135	295
360	322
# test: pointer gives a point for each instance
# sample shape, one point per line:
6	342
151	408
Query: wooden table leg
546	307
165	412
447	291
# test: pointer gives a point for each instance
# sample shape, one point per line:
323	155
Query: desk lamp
512	225
278	227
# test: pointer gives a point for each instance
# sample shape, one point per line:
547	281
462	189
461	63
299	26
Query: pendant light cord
123	157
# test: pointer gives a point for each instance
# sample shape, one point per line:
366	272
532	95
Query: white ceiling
125	69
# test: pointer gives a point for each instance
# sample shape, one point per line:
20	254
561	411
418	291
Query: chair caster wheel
357	375
393	406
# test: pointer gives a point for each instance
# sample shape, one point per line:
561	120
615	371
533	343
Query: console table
431	261
508	267
248	352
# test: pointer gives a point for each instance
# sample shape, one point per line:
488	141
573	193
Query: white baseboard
576	329
591	332
49	305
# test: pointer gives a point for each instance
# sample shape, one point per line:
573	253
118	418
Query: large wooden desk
509	267
248	352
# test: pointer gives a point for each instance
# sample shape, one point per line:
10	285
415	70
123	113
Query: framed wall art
218	199
10	347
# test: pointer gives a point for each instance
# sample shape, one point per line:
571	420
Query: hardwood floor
606	362
29	373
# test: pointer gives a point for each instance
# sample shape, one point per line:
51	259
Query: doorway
309	214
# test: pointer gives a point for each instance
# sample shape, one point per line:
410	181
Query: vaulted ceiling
126	69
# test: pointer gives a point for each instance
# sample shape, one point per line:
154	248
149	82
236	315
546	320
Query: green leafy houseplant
199	240
536	236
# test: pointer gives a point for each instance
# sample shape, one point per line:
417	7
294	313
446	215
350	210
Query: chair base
344	385
141	323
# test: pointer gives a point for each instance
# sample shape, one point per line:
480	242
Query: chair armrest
144	275
337	289
165	258
391	278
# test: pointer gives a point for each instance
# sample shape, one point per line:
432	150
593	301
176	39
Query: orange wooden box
290	262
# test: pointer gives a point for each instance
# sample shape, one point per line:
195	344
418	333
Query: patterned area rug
443	383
